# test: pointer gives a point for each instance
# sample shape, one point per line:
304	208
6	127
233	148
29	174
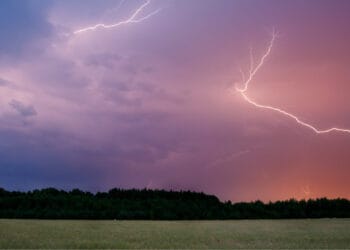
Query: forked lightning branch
243	91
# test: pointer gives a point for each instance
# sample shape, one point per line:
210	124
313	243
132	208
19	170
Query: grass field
320	233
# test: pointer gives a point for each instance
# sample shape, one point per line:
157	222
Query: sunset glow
177	94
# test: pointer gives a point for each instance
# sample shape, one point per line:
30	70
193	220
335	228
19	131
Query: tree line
147	204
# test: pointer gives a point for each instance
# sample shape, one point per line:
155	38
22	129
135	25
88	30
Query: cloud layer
151	104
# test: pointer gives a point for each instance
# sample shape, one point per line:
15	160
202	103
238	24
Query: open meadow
68	234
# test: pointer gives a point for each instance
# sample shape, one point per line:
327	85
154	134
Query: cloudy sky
153	103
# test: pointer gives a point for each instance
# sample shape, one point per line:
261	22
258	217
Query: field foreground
313	233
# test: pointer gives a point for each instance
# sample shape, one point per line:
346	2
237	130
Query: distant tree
50	203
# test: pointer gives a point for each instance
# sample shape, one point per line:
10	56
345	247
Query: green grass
320	233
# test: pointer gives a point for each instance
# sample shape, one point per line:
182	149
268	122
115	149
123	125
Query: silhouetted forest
51	203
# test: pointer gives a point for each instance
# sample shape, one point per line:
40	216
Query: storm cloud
151	104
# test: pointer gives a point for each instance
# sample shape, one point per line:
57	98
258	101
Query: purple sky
150	104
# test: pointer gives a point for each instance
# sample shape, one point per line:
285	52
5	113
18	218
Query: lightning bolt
132	19
306	191
253	71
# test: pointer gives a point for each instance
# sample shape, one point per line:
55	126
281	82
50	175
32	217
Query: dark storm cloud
148	103
35	160
22	109
22	23
4	82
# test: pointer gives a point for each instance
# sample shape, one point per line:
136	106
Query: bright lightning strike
253	71
132	19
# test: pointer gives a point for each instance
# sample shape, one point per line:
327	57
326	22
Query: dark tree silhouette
51	203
